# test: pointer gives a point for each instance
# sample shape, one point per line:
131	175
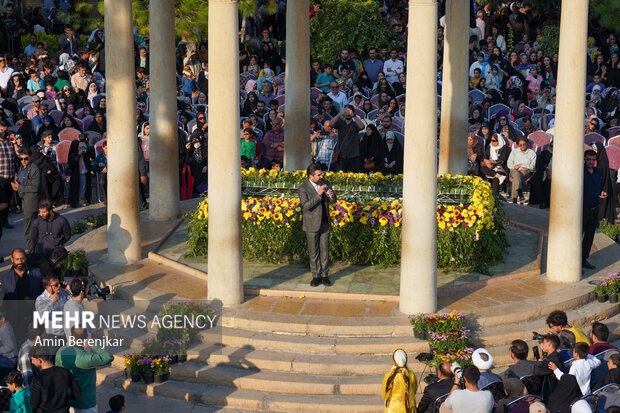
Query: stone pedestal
565	216
123	213
225	279
418	274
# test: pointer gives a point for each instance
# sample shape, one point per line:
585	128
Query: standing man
393	67
315	196
592	194
7	172
27	186
347	152
50	230
372	65
52	299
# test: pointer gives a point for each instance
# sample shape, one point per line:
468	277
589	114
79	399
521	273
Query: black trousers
348	164
6	192
590	222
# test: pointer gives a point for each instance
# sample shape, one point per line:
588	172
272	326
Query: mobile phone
536	352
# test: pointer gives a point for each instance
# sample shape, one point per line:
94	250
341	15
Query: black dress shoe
315	282
326	281
585	264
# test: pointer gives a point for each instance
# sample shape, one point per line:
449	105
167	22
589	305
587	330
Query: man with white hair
484	361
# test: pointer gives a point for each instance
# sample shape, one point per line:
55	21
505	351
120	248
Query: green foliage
89	223
87	16
247	7
550	40
611	230
50	39
346	23
191	17
608	13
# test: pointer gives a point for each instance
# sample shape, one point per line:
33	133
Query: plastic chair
495	109
592	137
79	113
79	123
539	137
609	395
360	113
613	131
281	108
87	121
476	95
372	115
315	93
98	146
439	401
281	91
146	143
26	108
400	137
374	100
280	99
497	390
69	134
191	126
533	384
56	116
49	103
24	100
401	98
93	137
613	154
62	152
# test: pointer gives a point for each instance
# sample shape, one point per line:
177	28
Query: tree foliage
346	23
607	12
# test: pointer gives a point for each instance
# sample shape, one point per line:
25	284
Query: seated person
493	166
599	335
549	345
434	390
613	374
484	361
581	367
523	367
569	335
521	163
470	399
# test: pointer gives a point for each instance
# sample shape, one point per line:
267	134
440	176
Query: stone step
242	398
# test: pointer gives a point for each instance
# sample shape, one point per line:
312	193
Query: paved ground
14	238
520	256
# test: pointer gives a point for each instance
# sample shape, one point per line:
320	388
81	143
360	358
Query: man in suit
433	391
27	186
315	195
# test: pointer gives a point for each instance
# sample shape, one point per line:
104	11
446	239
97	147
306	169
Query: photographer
569	335
469	399
434	390
323	143
549	346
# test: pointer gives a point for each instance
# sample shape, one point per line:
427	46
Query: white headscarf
399	358
494	150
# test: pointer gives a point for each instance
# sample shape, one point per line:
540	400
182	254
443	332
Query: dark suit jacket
431	392
542	368
30	189
311	206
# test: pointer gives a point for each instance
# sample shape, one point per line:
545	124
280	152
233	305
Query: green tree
350	23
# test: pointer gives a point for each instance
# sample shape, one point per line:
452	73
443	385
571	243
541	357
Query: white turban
479	362
399	358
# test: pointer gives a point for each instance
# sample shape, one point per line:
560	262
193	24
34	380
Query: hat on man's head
36	98
482	359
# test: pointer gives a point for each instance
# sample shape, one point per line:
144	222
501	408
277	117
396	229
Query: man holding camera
470	399
315	196
74	307
347	152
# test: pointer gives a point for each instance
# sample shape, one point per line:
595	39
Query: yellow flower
277	216
363	220
247	215
383	221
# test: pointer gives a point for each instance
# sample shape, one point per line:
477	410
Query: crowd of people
53	134
572	367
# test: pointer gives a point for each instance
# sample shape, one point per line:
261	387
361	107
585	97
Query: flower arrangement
131	362
75	264
88	223
448	337
366	232
608	285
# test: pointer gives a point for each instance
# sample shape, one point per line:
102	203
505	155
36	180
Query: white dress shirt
581	369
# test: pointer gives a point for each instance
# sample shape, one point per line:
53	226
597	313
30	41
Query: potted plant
613	287
161	369
132	367
601	290
419	322
147	369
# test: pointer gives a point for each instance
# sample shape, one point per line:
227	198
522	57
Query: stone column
225	280
297	81
418	274
455	81
123	213
164	164
565	217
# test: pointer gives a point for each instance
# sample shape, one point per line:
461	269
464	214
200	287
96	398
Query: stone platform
317	351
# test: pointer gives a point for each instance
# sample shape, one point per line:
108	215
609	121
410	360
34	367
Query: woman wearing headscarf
69	122
476	115
249	106
391	161
607	206
48	125
540	184
493	166
98	124
77	171
475	154
513	389
565	393
16	87
92	91
52	184
363	81
518	110
399	386
25	130
370	149
196	156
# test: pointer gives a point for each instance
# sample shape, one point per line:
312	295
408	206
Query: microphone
330	190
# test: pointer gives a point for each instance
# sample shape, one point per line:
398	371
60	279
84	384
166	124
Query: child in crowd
117	404
581	368
20	401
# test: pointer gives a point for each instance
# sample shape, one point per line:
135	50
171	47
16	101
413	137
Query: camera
457	370
424	357
89	286
537	336
431	378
